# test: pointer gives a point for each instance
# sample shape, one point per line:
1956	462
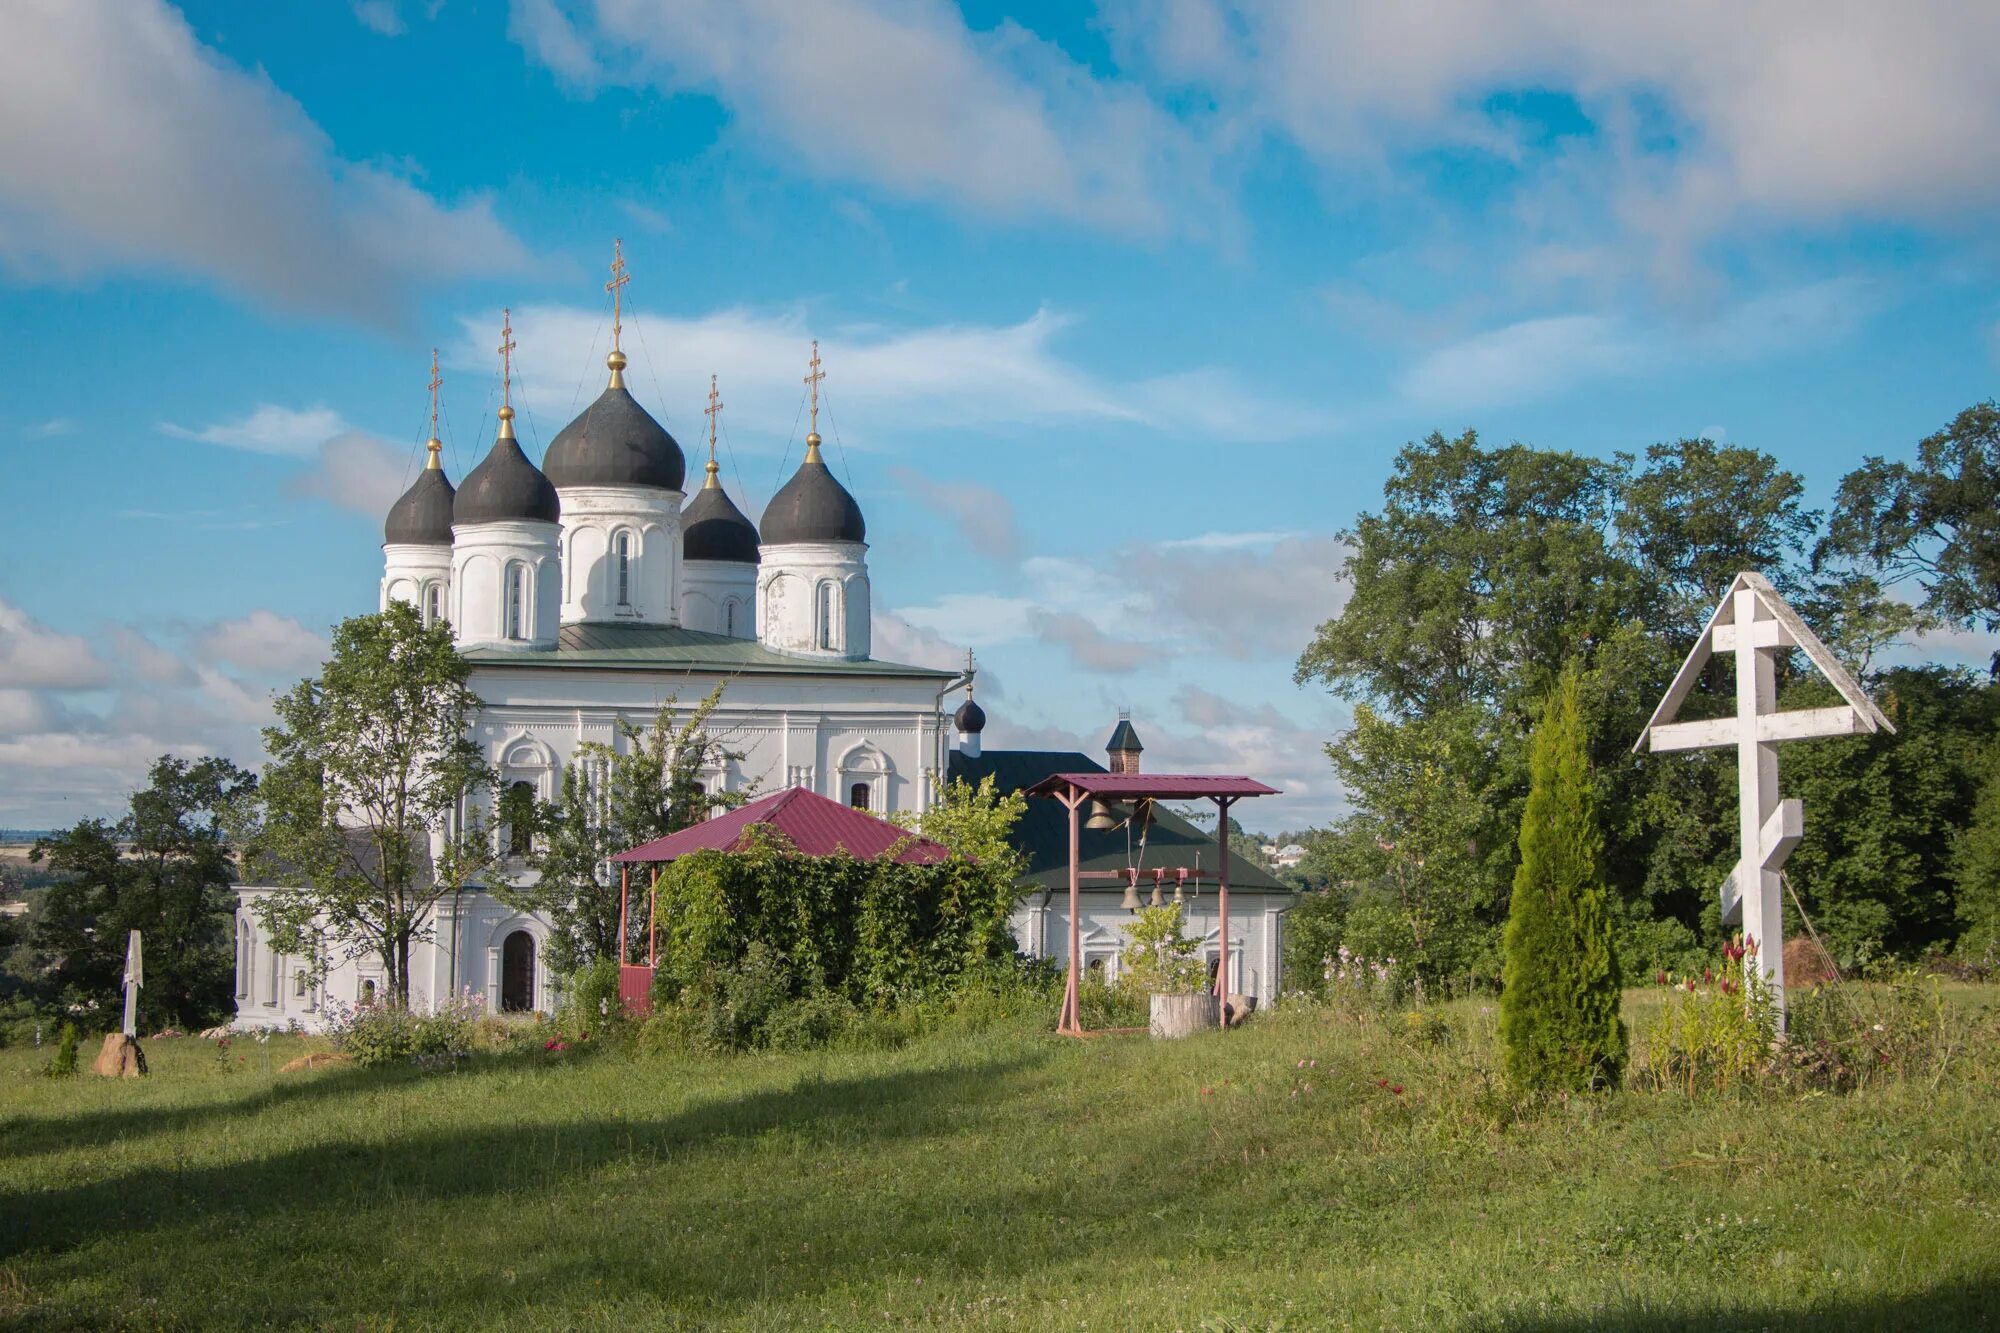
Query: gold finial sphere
616	360
506	414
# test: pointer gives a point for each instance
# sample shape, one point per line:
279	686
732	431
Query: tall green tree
164	870
613	797
1935	523
369	811
1559	1022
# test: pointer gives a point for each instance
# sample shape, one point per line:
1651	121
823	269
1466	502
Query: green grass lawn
999	1178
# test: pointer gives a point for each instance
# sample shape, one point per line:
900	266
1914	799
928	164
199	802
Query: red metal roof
1166	786
813	824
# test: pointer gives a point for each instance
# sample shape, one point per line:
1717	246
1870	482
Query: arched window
729	617
857	796
518	808
827	608
621	567
433	603
517	601
366	996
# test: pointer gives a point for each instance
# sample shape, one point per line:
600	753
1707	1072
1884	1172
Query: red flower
1381	1082
1663	976
1398	1089
1707	974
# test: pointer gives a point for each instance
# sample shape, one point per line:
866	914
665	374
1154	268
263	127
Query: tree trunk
400	982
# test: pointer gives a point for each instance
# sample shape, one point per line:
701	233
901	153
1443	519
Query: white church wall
719	597
812	599
1040	924
418	575
484	557
593	519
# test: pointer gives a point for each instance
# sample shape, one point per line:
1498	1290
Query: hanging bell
1103	816
1131	903
1159	898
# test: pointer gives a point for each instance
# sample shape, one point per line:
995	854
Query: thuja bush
1559	1022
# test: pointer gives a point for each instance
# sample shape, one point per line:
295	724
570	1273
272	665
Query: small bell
1131	903
1159	898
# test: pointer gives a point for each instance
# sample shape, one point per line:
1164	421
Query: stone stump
1183	1015
120	1058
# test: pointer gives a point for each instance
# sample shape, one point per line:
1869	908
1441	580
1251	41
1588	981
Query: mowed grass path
1002	1178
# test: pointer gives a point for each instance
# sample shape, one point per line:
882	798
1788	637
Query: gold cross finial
714	413
506	350
969	673
435	449
619	277
812	383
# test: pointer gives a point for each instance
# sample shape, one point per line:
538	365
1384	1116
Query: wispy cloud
53	427
268	429
357	471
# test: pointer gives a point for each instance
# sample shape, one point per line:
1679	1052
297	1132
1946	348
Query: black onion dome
615	442
813	507
970	717
505	486
422	517
713	528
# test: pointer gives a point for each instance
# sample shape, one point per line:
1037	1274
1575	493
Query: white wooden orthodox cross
134	978
1756	624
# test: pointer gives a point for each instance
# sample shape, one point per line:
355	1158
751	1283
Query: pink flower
1398	1089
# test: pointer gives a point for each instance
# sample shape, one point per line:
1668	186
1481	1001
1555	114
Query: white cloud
1854	108
263	642
380	16
357	471
982	514
1089	646
547	35
54	426
269	429
902	94
879	380
35	657
125	141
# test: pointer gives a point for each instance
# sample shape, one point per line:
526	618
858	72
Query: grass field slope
1310	1171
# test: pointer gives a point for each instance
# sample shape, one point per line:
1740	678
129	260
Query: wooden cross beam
1756	624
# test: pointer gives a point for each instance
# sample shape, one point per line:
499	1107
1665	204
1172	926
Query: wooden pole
1071	1021
653	922
624	896
1222	907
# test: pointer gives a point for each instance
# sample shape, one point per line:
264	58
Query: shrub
1710	1037
672	1029
815	1019
1160	959
386	1034
63	1063
590	1002
1559	1021
740	1000
1842	1037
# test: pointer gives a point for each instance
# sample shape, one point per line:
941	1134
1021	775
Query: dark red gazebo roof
813	824
1166	786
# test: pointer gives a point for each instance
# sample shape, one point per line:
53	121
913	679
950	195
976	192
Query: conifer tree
1559	1021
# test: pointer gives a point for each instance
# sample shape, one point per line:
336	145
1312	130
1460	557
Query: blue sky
1125	310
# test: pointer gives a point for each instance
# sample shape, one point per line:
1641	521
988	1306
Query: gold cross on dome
812	382
619	277
712	412
436	381
506	349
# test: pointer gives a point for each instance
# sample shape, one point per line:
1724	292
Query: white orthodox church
591	589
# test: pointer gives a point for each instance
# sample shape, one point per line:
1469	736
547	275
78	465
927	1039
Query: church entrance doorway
517	973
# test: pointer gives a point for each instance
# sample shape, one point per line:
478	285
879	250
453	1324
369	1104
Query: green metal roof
671	648
1123	738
